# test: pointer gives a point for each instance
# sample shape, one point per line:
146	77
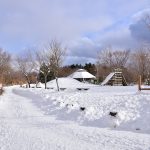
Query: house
82	75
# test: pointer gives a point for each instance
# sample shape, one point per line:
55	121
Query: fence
140	83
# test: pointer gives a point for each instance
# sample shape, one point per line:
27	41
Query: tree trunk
37	79
57	83
45	77
28	81
29	85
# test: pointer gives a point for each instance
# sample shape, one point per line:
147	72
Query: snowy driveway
23	126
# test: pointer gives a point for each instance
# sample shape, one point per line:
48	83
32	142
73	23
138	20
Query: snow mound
67	83
27	86
131	106
40	85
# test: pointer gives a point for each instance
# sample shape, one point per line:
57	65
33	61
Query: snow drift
131	106
68	83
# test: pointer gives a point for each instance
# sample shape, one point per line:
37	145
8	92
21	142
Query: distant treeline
43	66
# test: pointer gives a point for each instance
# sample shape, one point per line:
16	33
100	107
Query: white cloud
78	60
26	23
139	29
140	14
83	47
38	20
119	39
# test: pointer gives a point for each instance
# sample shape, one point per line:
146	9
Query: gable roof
81	74
108	78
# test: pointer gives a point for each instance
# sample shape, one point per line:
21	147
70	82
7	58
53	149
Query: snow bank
39	119
31	85
92	107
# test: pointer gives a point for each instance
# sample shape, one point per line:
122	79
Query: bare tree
140	62
5	65
105	57
50	59
120	58
108	59
111	58
43	63
56	53
26	65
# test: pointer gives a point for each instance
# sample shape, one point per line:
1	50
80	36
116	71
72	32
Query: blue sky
84	26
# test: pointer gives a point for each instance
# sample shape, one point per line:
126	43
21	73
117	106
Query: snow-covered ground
39	119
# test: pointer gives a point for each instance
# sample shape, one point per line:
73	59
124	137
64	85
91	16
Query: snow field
39	119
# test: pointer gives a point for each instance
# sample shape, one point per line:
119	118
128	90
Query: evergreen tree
45	74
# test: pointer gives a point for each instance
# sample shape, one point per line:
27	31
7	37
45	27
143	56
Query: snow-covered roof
81	74
108	78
